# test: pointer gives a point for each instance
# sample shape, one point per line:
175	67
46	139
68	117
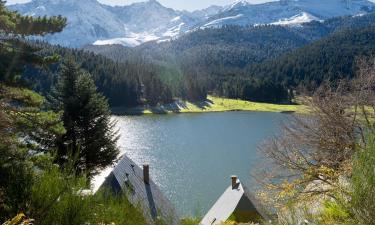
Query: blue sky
176	4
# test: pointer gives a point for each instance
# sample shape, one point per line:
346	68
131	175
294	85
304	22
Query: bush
190	221
362	202
57	198
108	208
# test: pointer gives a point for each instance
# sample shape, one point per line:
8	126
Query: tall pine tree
90	136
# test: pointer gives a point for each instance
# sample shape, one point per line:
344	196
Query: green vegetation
213	104
44	169
26	127
49	152
325	162
266	65
90	135
260	64
320	61
58	197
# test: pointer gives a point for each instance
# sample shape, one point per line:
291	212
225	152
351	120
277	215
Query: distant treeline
262	63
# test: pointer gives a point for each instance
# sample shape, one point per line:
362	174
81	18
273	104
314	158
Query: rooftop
130	178
235	200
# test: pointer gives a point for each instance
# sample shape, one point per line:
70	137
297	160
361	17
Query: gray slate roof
128	177
233	199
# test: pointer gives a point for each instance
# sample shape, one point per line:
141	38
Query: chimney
234	181
146	173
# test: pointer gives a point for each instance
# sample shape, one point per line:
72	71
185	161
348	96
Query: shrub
55	199
362	202
108	208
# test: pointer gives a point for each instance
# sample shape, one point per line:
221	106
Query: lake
192	156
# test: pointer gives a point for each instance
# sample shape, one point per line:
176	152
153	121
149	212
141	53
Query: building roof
234	199
128	177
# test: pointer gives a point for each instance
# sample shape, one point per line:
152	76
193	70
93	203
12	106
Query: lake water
192	156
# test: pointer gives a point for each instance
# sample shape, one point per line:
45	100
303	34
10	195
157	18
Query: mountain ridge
91	22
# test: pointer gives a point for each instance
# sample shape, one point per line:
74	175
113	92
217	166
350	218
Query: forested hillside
262	63
331	58
241	45
242	62
127	83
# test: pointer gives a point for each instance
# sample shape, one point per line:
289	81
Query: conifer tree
90	135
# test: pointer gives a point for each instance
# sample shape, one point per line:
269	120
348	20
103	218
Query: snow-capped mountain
90	22
286	12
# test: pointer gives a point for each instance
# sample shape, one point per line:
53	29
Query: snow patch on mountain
237	4
219	22
174	31
297	20
286	12
92	22
177	18
130	41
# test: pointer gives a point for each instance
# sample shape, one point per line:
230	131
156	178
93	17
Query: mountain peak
64	1
238	4
150	2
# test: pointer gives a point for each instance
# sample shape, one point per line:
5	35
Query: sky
176	4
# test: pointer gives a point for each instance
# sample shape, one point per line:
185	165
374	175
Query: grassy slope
213	104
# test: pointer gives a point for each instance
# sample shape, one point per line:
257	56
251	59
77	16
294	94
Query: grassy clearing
213	104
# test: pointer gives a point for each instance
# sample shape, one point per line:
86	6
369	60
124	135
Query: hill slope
330	58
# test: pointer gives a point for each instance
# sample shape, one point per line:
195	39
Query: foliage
16	53
90	135
250	63
312	156
58	198
119	82
362	196
55	198
190	221
334	213
234	62
26	131
12	23
29	182
320	61
353	201
128	83
26	128
109	208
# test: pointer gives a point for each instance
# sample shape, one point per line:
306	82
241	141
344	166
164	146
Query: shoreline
211	105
